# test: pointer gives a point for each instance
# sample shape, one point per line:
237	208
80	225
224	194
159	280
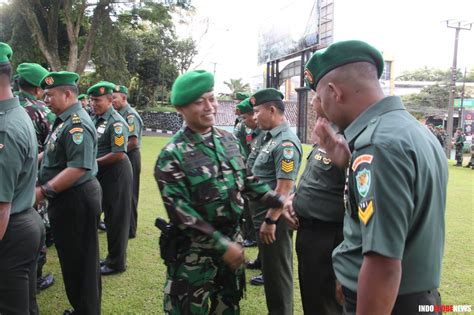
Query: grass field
139	289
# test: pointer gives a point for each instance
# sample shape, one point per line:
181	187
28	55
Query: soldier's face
263	116
84	102
249	120
55	99
119	101
200	115
101	104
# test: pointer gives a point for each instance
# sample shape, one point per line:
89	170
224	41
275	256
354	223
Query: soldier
135	128
201	175
21	228
459	145
277	164
29	77
241	131
390	259
67	179
115	175
317	208
84	99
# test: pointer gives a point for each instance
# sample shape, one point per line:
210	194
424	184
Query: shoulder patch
361	159
287	166
287	144
78	137
77	129
288	153
119	141
75	118
363	181
118	129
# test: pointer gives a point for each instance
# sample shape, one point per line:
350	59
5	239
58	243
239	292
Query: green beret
340	54
54	79
266	95
240	96
189	86
82	96
244	106
33	73
121	89
6	52
101	88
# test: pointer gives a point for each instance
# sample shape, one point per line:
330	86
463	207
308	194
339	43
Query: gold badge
287	166
119	141
318	157
308	76
326	161
1	146
49	80
75	118
366	210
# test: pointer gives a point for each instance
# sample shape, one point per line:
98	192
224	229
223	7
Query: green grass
139	289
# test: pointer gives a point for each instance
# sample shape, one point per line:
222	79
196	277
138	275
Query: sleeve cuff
221	243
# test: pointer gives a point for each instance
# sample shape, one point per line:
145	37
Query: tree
236	85
429	74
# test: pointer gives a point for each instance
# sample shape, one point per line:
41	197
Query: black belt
314	223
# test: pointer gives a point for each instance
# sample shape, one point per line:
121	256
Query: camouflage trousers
199	277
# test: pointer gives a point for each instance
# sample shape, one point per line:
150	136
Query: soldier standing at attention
135	128
67	179
459	145
84	99
317	210
21	228
115	175
277	164
390	259
29	77
201	175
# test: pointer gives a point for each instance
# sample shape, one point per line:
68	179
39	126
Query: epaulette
365	138
75	119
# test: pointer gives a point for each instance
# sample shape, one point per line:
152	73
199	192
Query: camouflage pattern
40	115
459	146
202	180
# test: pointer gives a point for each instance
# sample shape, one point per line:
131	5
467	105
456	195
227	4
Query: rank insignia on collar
366	210
363	179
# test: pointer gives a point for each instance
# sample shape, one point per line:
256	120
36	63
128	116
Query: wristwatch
269	221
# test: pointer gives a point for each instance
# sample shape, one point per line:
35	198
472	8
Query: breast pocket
201	173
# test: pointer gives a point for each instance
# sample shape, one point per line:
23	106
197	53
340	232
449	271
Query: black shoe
45	282
107	271
257	280
102	262
249	243
102	226
69	312
253	264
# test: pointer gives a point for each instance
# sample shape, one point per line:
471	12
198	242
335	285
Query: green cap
101	88
244	106
54	79
189	86
340	54
82	96
266	95
6	52
33	73
241	96
121	89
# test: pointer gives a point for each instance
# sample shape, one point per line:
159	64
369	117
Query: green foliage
431	96
236	85
429	74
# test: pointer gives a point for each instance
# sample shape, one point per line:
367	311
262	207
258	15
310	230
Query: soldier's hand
39	196
289	213
234	256
335	145
267	233
339	294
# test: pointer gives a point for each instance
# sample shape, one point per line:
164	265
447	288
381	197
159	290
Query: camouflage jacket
241	132
201	180
40	115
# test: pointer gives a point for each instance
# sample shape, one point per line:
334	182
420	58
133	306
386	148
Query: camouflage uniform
40	115
201	179
242	133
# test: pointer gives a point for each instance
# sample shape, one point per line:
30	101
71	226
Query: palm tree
236	85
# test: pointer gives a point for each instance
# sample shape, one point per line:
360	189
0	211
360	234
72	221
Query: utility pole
458	26
461	109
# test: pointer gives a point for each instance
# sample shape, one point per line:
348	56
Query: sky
412	31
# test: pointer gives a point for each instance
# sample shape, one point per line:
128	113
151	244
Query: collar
23	94
124	109
6	105
385	105
278	129
71	109
107	114
195	137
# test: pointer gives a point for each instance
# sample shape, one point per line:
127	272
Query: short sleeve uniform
134	122
395	197
112	133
